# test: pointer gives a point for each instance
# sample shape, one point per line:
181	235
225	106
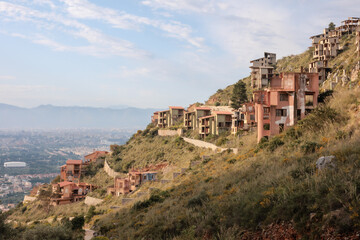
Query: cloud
99	44
7	77
83	9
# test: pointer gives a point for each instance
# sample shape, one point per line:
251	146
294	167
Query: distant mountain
55	117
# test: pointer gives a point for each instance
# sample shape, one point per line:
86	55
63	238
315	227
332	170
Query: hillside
272	189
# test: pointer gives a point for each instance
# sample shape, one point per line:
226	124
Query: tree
77	222
239	95
91	212
331	26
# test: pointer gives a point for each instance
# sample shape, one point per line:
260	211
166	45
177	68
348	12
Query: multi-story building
288	99
191	119
155	118
170	117
325	49
93	157
131	182
215	124
69	192
262	70
243	118
71	171
348	26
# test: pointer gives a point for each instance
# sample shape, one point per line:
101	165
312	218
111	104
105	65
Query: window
284	97
252	117
266	110
309	100
267	126
307	82
281	112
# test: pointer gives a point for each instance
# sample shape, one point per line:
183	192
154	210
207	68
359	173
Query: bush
198	200
46	232
77	222
91	212
274	143
155	197
310	147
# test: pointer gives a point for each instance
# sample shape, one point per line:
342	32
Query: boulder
326	162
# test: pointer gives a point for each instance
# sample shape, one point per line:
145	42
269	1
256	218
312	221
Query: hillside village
276	102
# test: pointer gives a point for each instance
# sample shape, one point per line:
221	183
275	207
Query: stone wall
91	201
166	132
29	199
110	171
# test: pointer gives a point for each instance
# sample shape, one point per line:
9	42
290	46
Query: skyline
146	53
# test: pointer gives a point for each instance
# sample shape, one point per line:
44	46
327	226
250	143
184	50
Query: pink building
288	99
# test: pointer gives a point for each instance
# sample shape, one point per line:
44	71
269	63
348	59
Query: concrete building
170	117
288	99
215	124
243	118
262	70
191	118
325	48
348	26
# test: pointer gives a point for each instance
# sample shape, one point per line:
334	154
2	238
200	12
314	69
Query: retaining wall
110	171
92	201
167	132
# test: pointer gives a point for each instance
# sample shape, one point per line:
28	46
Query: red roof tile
73	162
175	107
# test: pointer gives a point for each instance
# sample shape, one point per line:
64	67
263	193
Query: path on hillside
89	234
204	144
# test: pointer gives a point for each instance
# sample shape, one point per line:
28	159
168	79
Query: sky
146	53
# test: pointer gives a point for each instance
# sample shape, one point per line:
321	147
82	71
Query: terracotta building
92	157
288	99
131	182
71	171
170	117
69	192
215	124
155	118
262	70
191	118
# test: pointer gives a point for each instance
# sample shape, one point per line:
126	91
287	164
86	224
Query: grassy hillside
232	195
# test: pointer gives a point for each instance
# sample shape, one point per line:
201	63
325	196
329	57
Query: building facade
191	118
290	97
243	118
262	70
171	117
215	124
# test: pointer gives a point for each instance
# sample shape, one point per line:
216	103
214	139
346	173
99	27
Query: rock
326	162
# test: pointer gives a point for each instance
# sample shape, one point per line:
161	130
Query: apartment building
71	171
215	124
171	117
68	192
348	26
262	70
243	118
290	97
131	182
191	118
155	118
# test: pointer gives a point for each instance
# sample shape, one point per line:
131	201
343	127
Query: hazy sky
146	53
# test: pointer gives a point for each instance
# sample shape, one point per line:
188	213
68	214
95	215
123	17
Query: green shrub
274	143
198	200
77	222
310	147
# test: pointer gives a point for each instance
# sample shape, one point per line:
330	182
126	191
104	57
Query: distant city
42	153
